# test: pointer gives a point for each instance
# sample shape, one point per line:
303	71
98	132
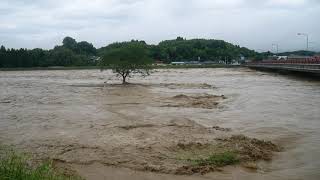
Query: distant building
282	57
209	62
242	58
295	57
248	60
95	58
193	62
186	63
159	63
222	62
177	63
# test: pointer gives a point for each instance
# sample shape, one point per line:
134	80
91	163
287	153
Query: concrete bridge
301	64
308	68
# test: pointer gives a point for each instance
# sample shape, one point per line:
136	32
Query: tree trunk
124	77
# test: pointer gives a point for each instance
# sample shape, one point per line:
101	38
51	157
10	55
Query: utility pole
277	45
310	43
307	36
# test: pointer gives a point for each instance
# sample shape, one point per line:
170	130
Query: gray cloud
253	23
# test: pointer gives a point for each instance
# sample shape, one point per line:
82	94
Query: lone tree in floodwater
126	60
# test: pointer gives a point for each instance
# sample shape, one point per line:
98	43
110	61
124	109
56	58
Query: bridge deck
311	68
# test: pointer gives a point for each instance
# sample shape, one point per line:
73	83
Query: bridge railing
312	60
303	65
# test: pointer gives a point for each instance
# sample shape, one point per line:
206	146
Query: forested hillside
190	50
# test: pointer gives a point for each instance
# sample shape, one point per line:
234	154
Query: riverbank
18	166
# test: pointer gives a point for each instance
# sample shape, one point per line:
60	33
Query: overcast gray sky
256	24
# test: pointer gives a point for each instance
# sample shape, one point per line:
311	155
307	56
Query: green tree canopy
128	59
84	47
70	43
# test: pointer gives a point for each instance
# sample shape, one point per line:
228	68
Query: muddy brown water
108	131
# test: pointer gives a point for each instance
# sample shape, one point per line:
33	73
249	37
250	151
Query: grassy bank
14	166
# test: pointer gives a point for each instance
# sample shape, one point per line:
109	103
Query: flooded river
106	131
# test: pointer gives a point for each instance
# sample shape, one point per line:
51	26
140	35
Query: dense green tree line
73	53
181	49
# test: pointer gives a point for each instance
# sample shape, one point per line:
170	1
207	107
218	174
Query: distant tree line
73	53
181	49
298	53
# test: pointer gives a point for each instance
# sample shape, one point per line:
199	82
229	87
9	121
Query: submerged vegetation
237	149
219	160
14	166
